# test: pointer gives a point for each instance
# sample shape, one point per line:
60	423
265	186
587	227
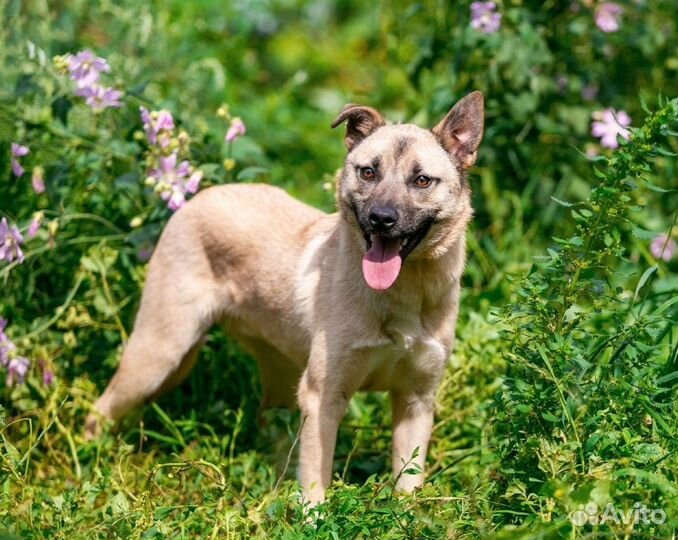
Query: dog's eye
422	181
367	173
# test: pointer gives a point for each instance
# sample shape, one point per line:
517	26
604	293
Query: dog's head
404	187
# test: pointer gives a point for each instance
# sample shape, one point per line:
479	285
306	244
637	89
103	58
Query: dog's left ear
361	122
461	130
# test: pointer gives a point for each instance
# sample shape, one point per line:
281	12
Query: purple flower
85	68
663	247
6	345
47	376
47	373
17	152
37	180
608	16
156	123
99	98
236	129
608	124
35	225
17	368
484	17
10	242
174	181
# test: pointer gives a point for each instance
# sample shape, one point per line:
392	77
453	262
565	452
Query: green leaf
643	234
667	378
251	173
643	280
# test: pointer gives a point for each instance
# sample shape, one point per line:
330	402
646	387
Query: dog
362	299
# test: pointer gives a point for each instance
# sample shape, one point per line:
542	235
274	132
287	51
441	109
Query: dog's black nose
382	218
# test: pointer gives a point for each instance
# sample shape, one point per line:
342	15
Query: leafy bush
561	393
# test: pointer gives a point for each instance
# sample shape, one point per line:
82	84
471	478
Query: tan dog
365	298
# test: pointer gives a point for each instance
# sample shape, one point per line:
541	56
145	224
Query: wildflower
6	348
174	181
38	180
35	224
85	68
17	368
6	345
608	16
236	129
17	152
99	98
157	124
47	373
663	247
608	124
47	376
10	242
484	17
229	164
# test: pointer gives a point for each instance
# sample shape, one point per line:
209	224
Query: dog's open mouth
384	257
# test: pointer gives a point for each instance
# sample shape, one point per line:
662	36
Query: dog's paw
93	426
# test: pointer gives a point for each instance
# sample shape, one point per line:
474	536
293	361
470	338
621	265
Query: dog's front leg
323	404
412	425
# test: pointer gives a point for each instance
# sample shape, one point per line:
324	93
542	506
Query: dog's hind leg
177	307
160	353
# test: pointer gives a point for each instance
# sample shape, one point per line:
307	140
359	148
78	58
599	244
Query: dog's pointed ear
360	122
461	130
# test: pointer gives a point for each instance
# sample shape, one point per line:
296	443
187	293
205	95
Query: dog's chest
401	350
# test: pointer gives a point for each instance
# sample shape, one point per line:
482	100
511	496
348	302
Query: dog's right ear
361	122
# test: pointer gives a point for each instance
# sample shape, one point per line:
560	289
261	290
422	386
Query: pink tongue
381	264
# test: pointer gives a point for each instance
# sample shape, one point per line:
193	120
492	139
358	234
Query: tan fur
285	280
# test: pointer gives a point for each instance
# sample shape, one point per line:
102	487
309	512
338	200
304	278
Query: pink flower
37	180
608	16
47	373
6	345
35	225
236	129
17	368
47	376
484	17
157	125
608	124
10	242
85	68
174	181
17	152
99	98
663	247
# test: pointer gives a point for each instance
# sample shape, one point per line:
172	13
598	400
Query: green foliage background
562	389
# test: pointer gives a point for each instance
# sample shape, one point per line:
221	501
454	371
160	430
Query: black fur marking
400	148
